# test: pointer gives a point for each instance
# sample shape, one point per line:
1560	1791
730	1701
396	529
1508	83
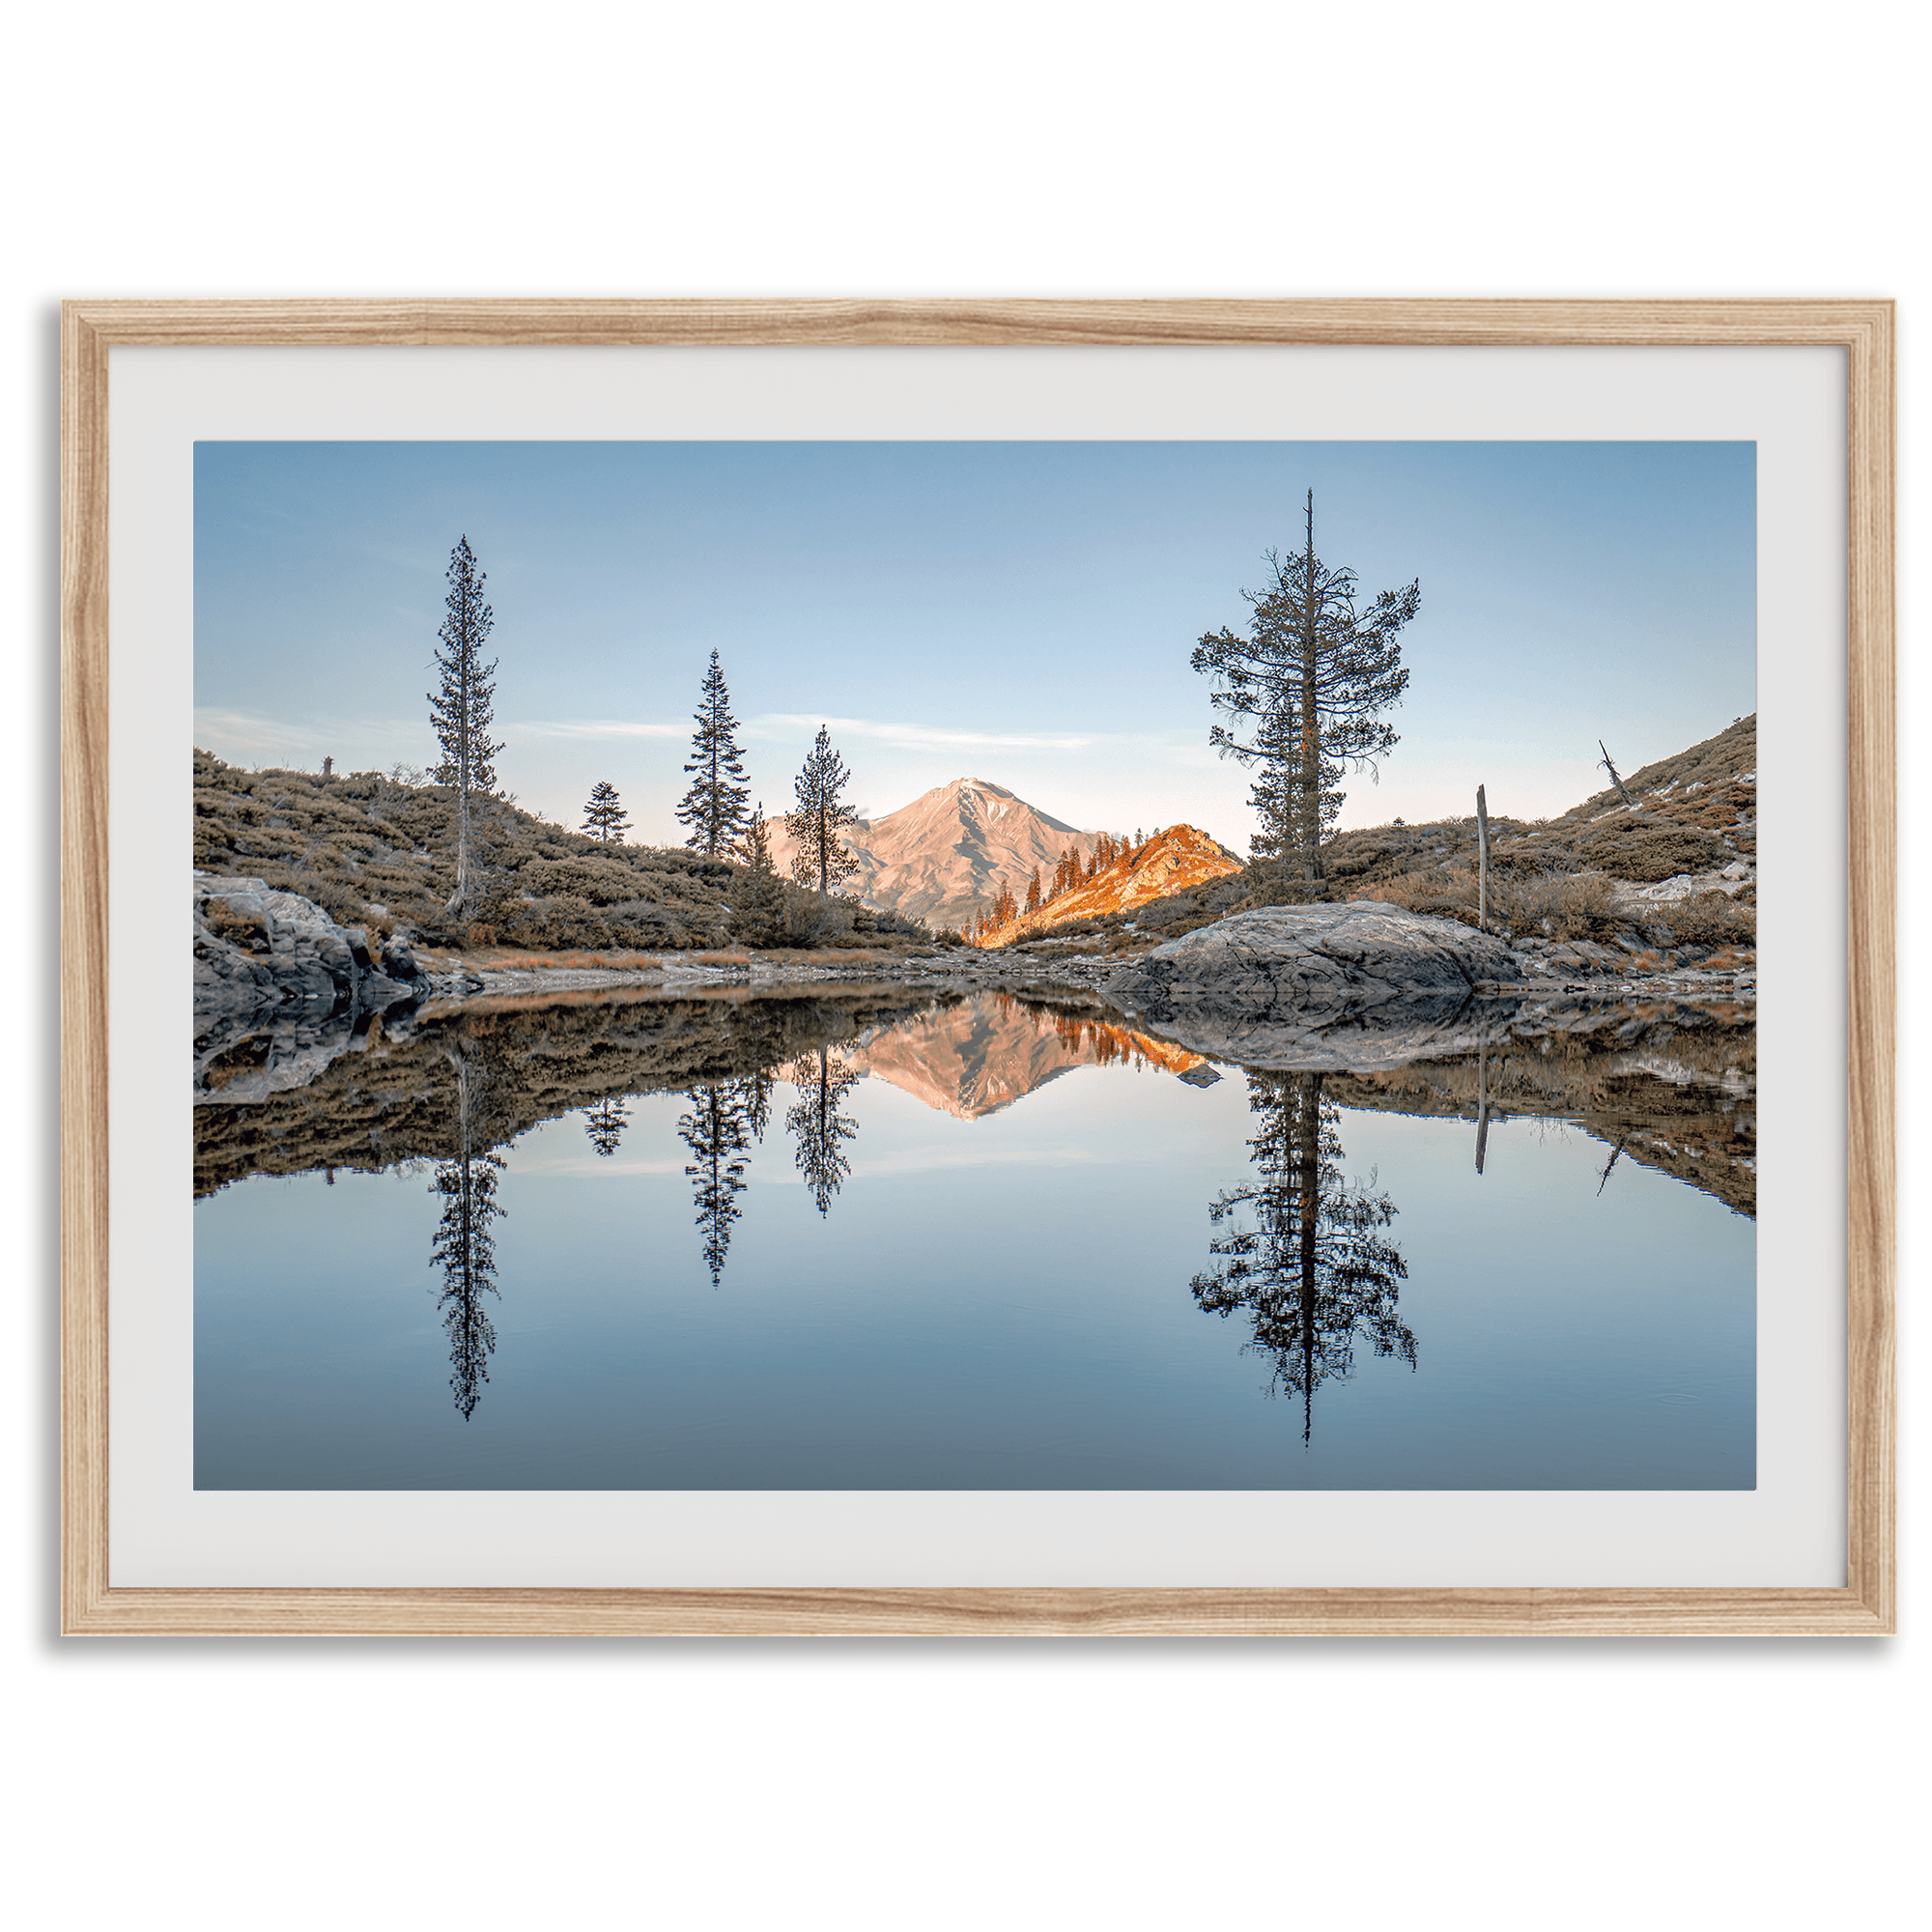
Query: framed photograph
947	967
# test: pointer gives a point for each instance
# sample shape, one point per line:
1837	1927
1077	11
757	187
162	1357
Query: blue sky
1022	612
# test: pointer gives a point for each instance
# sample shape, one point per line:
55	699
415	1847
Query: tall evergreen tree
1313	1271
604	1123
467	1253
1307	684
604	816
462	708
716	1130
816	1124
714	807
1033	891
755	1096
756	894
822	858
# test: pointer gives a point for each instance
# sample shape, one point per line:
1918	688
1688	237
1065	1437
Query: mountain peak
943	857
959	787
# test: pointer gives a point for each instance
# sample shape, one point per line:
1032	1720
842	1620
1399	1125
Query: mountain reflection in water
968	1281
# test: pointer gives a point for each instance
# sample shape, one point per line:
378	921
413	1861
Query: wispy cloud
604	1167
424	560
214	728
913	1160
598	728
915	737
243	733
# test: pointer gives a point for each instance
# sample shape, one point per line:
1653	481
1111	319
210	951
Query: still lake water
962	1253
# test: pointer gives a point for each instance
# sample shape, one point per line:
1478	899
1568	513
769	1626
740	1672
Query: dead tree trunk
1482	863
1614	779
1482	1099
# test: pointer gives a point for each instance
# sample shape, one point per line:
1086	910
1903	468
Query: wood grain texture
1872	887
84	943
965	1612
1867	1606
325	322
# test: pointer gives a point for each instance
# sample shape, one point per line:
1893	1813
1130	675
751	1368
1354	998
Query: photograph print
928	966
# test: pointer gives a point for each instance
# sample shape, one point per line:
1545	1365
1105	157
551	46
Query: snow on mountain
943	857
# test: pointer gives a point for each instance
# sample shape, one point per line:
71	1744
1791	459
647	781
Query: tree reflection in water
1312	1273
823	1081
467	1253
725	1120
604	1123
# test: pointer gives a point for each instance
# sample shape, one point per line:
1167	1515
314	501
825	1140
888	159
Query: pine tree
603	817
718	1133
821	816
604	1123
467	1253
714	807
755	1096
1308	682
1312	1273
756	894
461	711
817	1126
1033	891
465	1250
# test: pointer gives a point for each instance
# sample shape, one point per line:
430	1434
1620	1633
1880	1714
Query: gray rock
274	975
1686	885
1360	986
1359	955
399	959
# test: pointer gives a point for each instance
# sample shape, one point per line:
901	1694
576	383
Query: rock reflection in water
1305	1259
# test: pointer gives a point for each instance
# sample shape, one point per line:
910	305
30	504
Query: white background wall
1041	148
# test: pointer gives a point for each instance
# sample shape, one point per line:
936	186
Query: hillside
942	857
1595	869
380	854
1600	870
1172	861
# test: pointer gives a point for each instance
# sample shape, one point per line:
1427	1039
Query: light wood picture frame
1863	329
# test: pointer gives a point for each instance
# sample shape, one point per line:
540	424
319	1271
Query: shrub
596	882
1712	919
1562	905
244	929
810	921
555	922
1646	854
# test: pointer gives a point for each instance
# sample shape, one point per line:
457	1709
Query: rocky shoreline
1636	971
281	989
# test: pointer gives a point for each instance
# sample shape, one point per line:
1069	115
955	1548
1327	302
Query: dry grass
1555	905
377	853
